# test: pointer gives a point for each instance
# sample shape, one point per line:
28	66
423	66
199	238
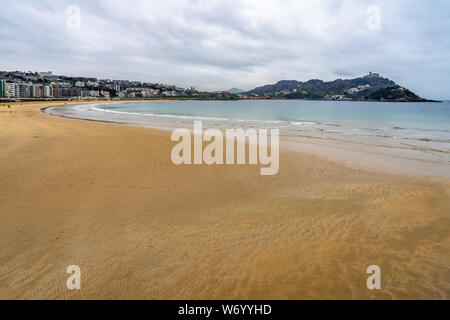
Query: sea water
421	127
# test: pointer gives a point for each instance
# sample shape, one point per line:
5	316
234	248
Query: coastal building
169	93
45	74
2	88
122	95
105	94
20	90
71	92
352	90
26	90
35	91
48	91
358	89
92	84
135	95
57	92
48	76
94	93
337	97
16	90
147	92
373	75
10	90
62	84
79	84
32	78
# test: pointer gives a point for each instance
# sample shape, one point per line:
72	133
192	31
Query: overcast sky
216	45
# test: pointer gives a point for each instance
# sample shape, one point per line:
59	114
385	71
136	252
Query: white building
20	89
45	74
122	95
79	84
62	84
352	90
364	87
92	84
169	93
10	90
48	92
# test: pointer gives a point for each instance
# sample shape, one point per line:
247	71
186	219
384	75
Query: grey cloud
221	44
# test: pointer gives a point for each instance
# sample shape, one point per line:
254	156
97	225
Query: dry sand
106	197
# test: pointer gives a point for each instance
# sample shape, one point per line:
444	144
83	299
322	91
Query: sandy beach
106	197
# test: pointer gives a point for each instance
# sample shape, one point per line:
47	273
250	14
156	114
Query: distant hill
370	87
235	90
394	93
232	91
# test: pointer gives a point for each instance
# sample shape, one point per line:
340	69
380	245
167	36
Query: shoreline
108	199
199	99
366	157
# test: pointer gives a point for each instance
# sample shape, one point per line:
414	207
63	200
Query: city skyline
217	46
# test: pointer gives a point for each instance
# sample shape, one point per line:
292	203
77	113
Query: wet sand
107	197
